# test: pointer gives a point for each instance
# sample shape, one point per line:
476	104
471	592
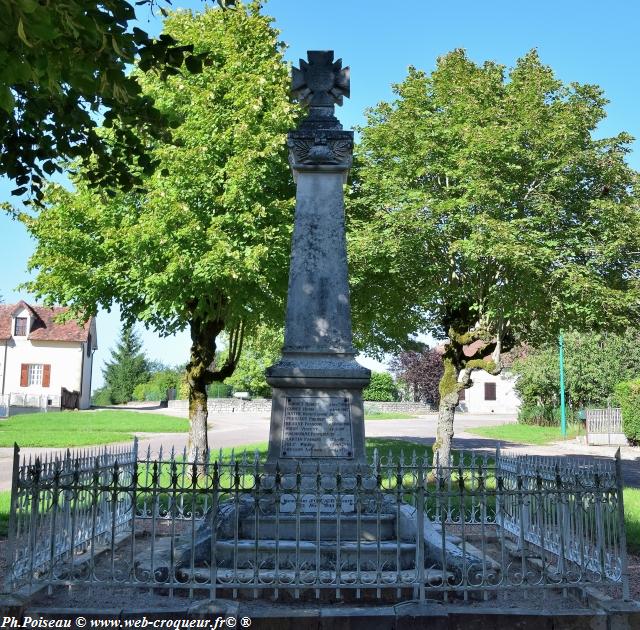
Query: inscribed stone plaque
309	503
316	426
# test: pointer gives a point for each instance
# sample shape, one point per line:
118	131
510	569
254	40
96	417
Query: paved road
240	429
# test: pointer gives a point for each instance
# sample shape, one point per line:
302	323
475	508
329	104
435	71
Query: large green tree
492	214
63	66
206	246
128	367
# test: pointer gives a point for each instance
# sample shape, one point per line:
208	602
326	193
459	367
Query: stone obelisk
317	412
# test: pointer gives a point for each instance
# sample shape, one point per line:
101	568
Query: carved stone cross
320	82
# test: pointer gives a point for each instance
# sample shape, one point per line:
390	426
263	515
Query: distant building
490	394
39	356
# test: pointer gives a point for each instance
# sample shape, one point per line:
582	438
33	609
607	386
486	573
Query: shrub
139	391
544	415
183	387
156	387
219	390
627	395
102	397
381	388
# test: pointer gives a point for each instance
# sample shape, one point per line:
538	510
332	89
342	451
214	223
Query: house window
489	391
35	374
461	395
20	329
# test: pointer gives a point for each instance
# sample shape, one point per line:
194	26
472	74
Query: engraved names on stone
309	503
317	426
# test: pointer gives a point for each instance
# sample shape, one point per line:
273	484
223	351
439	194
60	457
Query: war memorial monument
319	520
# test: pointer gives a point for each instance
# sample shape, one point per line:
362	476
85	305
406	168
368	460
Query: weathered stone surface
318	317
318	365
318	443
316	426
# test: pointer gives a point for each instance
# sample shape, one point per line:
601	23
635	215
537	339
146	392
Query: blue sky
587	41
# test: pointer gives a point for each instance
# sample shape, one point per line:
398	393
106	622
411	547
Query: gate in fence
604	426
229	526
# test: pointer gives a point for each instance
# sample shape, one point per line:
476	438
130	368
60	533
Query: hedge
627	395
544	415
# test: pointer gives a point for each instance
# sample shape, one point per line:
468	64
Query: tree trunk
198	417
449	388
199	376
473	349
444	430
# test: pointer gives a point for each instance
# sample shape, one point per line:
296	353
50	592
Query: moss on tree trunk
199	376
449	395
460	358
201	372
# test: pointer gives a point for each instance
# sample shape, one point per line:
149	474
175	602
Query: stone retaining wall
397	407
263	405
228	405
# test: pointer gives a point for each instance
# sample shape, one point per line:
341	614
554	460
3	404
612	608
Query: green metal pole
563	416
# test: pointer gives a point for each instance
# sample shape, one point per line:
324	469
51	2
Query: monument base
317	415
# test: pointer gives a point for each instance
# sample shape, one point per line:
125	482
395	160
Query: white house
40	356
490	394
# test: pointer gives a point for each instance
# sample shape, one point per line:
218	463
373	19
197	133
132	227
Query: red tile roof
43	326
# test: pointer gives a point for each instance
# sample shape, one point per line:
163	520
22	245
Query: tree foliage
261	349
593	364
63	66
159	381
127	369
206	246
421	372
381	388
627	396
491	214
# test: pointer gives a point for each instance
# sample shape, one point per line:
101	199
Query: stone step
306	552
472	550
287	526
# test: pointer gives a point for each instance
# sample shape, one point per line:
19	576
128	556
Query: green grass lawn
385	415
632	518
5	506
84	428
524	433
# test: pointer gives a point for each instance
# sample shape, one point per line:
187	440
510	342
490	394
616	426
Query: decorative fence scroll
228	526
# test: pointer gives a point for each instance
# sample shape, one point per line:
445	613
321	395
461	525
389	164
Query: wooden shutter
489	391
461	395
24	375
46	375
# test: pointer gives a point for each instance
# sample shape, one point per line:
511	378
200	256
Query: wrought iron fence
64	505
571	509
233	525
